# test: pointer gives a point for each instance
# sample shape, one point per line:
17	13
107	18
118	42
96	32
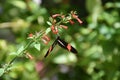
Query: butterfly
62	44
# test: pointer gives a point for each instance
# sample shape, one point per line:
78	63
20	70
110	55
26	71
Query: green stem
17	55
58	23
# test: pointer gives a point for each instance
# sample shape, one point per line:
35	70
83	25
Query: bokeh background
97	40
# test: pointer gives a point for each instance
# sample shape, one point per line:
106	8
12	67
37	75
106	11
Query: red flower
54	30
63	16
55	15
45	39
63	26
52	27
71	22
30	35
76	17
79	20
29	56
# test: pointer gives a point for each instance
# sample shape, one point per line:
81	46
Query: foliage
97	40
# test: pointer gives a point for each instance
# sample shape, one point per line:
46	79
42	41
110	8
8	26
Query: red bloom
55	15
55	31
63	26
63	16
29	56
45	39
76	17
30	35
52	27
79	20
71	22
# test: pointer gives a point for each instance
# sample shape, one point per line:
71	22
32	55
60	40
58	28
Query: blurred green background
97	40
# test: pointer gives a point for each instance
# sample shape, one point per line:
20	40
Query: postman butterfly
62	44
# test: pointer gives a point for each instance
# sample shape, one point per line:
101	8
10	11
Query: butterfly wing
51	47
67	46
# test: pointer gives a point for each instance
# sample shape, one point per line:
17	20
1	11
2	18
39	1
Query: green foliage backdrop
97	40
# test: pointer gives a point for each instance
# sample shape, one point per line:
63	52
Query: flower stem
27	45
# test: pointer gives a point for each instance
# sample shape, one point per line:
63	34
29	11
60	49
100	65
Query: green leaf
20	50
112	5
1	71
19	4
65	59
49	23
37	46
92	5
47	30
13	53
